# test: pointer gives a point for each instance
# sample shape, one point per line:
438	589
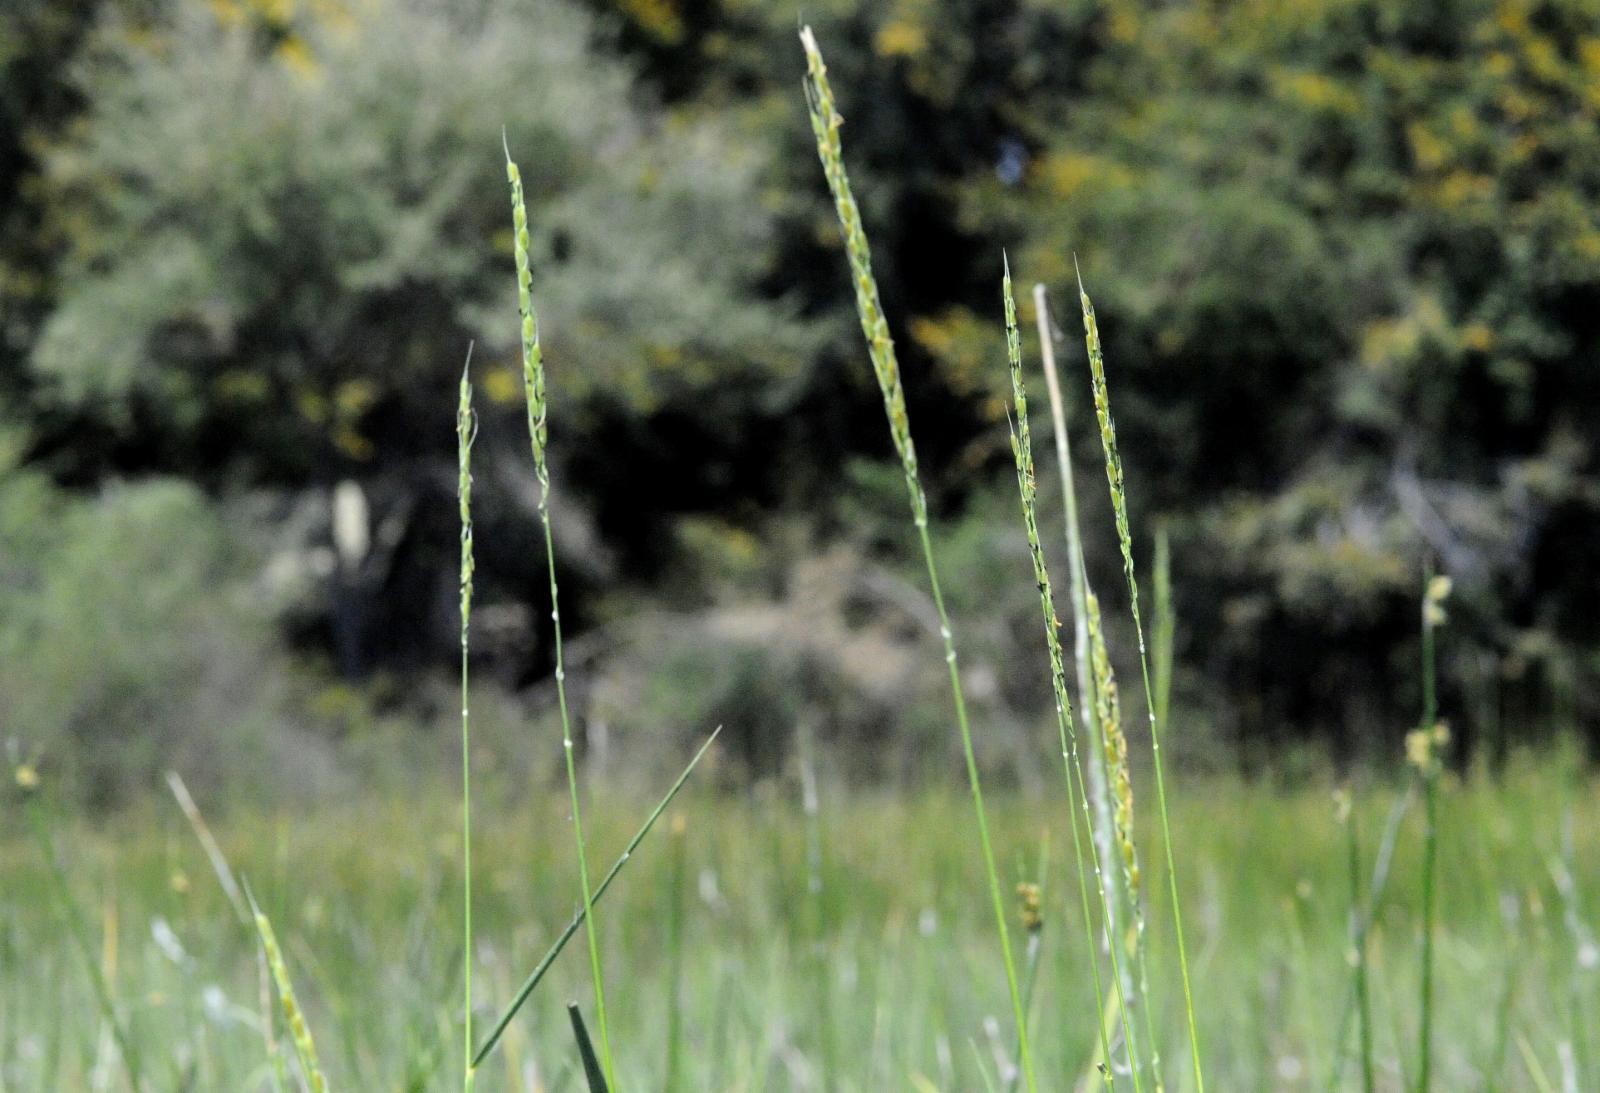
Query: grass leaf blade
543	966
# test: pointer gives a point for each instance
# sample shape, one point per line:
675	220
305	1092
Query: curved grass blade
543	966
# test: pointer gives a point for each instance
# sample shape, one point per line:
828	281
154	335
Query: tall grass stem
825	124
1425	749
466	433
533	380
1119	504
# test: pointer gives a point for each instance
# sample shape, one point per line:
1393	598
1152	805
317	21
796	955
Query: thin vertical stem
533	383
1358	941
1119	504
825	124
466	432
1430	853
1426	747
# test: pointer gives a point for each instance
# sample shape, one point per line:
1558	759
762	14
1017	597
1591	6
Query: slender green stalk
825	124
305	1047
1425	749
675	913
538	434
1119	505
1164	633
466	433
821	967
1375	888
80	940
1022	451
1430	856
1030	896
549	958
1358	940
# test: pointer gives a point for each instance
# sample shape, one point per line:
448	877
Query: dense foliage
1346	255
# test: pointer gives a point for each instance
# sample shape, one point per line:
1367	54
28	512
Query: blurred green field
723	973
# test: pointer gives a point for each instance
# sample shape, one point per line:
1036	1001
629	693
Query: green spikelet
1114	742
1108	712
304	1045
1108	441
466	433
825	123
532	355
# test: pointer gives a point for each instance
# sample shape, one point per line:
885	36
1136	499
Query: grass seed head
533	382
825	124
1425	748
1108	712
1108	436
1028	901
466	433
1433	612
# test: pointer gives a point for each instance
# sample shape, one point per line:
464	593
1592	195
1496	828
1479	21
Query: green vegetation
262	289
371	929
241	306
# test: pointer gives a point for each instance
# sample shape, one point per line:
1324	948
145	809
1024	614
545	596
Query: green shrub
133	639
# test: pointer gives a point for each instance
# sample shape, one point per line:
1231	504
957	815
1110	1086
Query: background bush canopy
1346	255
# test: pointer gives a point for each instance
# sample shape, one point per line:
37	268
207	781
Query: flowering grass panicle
825	124
1114	742
532	354
1077	587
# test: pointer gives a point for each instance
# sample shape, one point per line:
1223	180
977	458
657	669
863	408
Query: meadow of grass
365	898
790	936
